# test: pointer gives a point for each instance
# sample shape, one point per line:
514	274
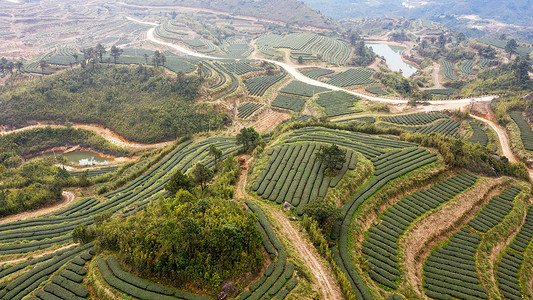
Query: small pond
392	55
83	158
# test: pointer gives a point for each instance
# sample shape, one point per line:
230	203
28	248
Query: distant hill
287	11
519	12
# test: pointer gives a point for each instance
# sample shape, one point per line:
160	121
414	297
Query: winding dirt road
505	143
297	75
327	284
68	198
106	133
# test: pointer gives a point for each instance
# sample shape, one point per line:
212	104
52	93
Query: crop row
415	119
95	172
450	270
381	245
351	77
287	102
67	284
338	103
526	134
293	174
135	286
369	145
234	84
494	212
43	268
240	68
342	255
466	67
44	232
511	262
247	109
446	127
299	88
278	274
317	73
360	120
259	85
479	136
448	70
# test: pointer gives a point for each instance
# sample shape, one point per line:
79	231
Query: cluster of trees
30	185
28	142
397	82
511	77
8	66
139	103
195	236
473	157
362	56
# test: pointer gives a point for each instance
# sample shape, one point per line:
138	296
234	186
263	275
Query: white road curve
299	76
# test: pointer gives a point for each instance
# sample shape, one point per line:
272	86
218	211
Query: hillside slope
287	11
513	11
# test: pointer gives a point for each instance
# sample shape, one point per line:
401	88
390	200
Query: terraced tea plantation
450	271
395	164
526	134
287	102
259	85
479	136
508	268
448	70
294	175
248	109
466	67
299	88
381	246
353	77
415	119
317	73
55	230
448	127
338	103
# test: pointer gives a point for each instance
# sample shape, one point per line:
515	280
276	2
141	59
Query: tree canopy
331	156
248	138
139	103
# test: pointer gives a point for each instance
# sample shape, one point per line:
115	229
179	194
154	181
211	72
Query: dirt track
68	198
327	284
106	133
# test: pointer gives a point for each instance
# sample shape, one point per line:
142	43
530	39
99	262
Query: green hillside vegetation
31	185
32	141
139	103
511	77
202	238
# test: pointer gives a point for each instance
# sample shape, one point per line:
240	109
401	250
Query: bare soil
439	226
67	198
269	119
106	133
